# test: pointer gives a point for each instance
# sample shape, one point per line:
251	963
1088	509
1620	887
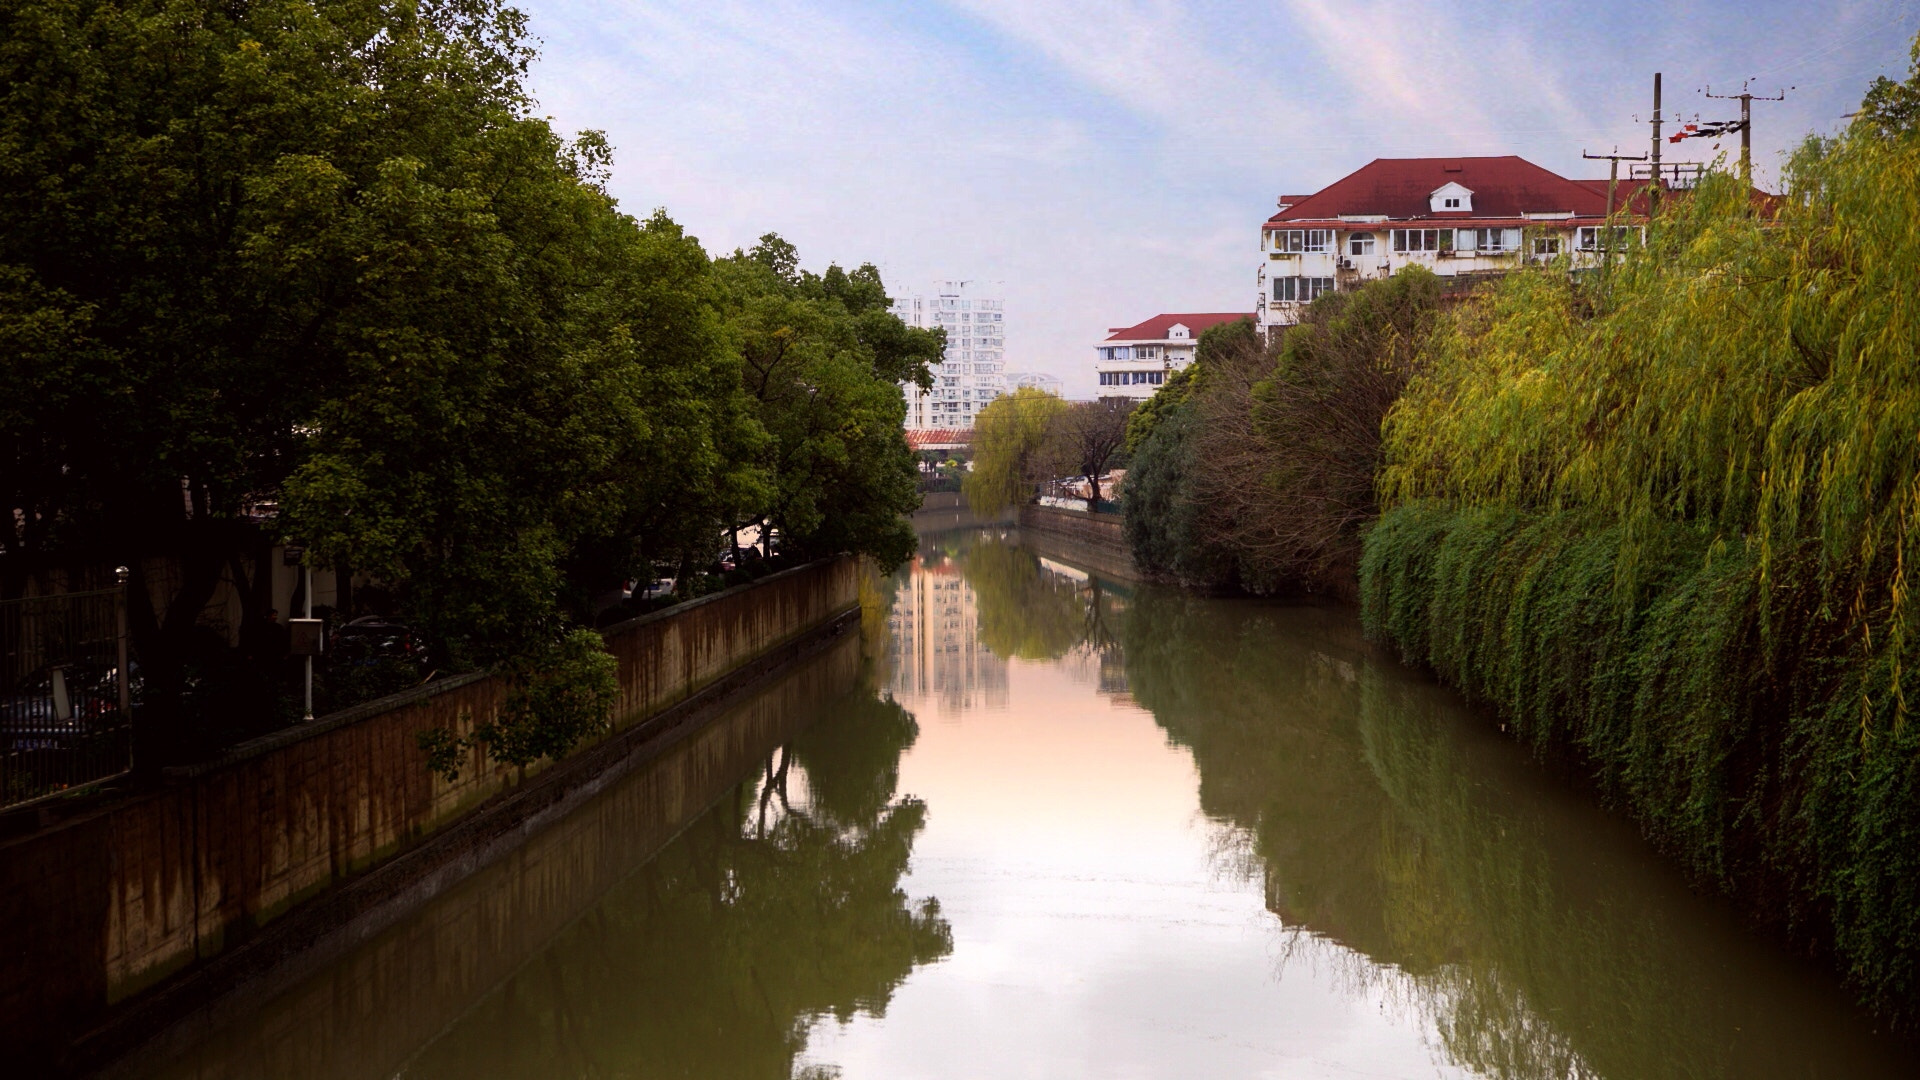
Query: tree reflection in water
1031	612
1538	937
780	906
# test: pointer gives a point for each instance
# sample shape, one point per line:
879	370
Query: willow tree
1009	437
1667	525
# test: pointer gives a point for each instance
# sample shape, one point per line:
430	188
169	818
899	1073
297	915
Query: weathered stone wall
100	907
370	1009
1094	541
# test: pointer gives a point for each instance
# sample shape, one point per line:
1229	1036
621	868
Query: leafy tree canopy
822	363
322	257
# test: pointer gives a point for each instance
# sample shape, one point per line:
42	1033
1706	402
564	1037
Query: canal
1032	823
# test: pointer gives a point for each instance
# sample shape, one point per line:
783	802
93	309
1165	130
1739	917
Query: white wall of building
1135	369
1362	250
973	371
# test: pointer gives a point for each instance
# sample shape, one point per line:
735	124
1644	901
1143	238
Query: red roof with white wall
1504	188
1158	327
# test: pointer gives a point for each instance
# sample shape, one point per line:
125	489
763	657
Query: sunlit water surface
1054	826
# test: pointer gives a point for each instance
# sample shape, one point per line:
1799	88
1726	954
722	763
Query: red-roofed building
1459	217
1134	361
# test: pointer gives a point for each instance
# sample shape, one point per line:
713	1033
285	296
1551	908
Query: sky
1110	161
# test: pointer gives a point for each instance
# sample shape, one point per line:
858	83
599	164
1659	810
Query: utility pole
1746	98
1613	161
1654	196
310	621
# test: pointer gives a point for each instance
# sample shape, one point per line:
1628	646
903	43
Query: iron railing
65	719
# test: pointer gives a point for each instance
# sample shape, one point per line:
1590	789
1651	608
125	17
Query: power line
1746	98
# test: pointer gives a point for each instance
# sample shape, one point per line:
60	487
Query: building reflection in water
937	652
986	597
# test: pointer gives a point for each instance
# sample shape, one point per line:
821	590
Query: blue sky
1113	160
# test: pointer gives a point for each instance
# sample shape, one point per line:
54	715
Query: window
1592	238
1360	243
1422	239
1309	241
1300	290
1546	245
1453	204
1493	241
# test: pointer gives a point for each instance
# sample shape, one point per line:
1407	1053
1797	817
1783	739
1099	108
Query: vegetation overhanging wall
104	906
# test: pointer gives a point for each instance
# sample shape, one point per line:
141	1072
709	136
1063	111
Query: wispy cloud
1114	160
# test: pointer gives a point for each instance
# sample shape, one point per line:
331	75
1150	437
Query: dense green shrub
1257	469
1743	756
1167	528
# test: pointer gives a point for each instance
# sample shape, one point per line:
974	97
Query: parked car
372	638
58	705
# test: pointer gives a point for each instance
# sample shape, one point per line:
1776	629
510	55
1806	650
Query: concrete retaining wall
366	1010
103	906
1094	541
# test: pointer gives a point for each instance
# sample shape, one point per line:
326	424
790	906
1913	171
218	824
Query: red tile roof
1503	187
1157	328
933	438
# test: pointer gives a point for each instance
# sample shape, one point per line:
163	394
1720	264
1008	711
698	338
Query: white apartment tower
973	371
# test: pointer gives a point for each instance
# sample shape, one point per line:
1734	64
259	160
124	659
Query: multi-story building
1037	380
1134	361
1462	218
973	371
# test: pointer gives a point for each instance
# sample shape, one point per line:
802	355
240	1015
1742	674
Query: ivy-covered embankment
1662	521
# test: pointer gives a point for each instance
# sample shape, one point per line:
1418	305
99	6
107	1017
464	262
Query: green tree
1890	108
1008	437
822	360
325	251
1172	530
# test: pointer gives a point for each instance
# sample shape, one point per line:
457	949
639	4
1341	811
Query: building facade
1134	361
1037	380
1462	218
973	371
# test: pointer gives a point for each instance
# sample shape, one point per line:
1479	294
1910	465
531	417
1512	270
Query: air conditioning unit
1346	264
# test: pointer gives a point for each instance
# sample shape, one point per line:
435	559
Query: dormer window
1451	198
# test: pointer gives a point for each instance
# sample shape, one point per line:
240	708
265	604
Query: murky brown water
1069	829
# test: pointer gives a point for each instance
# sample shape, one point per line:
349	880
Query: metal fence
64	715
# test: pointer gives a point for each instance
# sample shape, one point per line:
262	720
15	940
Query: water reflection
778	907
1535	935
610	946
1035	608
1169	836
